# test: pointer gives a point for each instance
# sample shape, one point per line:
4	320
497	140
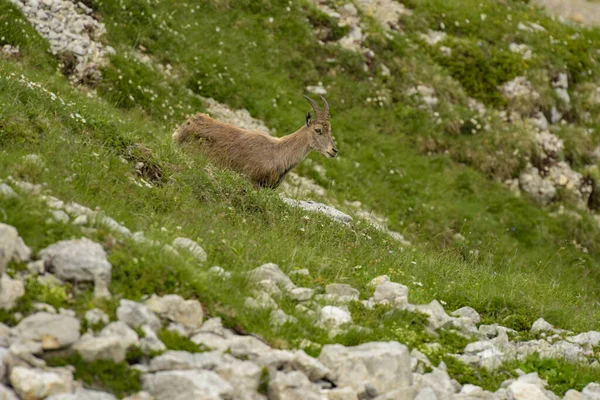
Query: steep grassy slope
517	263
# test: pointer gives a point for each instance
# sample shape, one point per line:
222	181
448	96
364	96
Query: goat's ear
308	118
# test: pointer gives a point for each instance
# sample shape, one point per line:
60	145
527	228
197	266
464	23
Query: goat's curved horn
315	107
326	109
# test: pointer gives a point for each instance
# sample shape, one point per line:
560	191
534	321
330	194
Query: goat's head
320	129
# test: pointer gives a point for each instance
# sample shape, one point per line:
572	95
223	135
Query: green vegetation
175	341
106	375
432	180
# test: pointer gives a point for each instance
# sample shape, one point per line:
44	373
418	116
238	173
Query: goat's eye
319	131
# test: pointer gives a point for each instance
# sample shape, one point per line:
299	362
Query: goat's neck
294	148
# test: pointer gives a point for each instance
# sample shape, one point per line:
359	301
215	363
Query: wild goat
264	159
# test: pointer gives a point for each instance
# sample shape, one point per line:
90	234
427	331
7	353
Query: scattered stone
391	292
192	247
433	37
54	331
301	294
174	308
279	318
96	316
467	312
128	336
318	89
218	271
384	365
79	260
271	272
541	190
519	88
519	390
292	385
150	342
35	383
182	360
522	49
313	206
136	315
83	394
333	317
342	292
11	290
60	216
7	191
7	393
143	395
591	338
437	315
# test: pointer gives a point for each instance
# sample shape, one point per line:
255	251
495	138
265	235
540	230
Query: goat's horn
326	109
315	107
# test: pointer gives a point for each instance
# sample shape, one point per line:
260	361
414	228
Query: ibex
264	159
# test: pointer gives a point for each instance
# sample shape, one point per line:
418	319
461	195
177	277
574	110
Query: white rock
292	386
7	393
83	394
53	330
79	260
312	367
541	325
150	342
271	272
541	190
426	393
392	292
101	348
318	89
81	220
11	290
136	314
301	294
174	308
342	291
591	391
379	280
96	316
439	381
385	365
128	336
186	385
279	318
8	243
591	338
216	270
244	376
346	393
7	191
525	391
313	206
182	360
34	383
194	248
143	395
467	312
22	252
437	315
333	317
60	216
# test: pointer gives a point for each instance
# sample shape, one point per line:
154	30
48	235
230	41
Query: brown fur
264	159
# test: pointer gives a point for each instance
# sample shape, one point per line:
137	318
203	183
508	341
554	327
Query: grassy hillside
428	173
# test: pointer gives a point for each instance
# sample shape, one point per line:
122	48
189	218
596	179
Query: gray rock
426	393
301	294
379	280
11	290
342	291
391	292
7	393
83	394
238	346
54	331
261	300
346	393
313	206
136	315
591	338
96	316
311	367
573	394
60	216
150	342
591	391
436	313
143	395
519	390
7	191
79	260
541	190
333	317
22	252
192	247
182	360
441	384
467	312
271	272
35	383
128	336
174	308
244	377
385	365
186	385
279	318
8	243
292	386
216	270
101	348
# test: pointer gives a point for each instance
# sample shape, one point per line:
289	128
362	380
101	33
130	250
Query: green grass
517	264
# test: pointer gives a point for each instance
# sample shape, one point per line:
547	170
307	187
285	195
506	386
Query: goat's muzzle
332	153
